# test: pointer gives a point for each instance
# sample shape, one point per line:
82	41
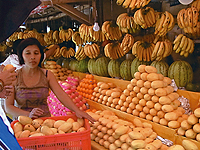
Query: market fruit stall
161	130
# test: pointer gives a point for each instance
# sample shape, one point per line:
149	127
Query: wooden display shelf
118	82
161	130
179	140
96	146
194	97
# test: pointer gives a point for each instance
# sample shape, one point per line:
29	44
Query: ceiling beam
73	13
48	2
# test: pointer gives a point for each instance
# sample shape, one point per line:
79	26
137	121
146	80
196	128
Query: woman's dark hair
15	45
25	43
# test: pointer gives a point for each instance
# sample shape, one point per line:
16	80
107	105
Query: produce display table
163	131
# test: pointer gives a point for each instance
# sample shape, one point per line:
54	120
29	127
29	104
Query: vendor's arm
65	99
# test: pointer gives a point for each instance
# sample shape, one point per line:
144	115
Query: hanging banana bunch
66	35
80	54
57	52
164	24
161	50
145	17
48	37
196	4
183	45
29	34
127	43
113	50
67	52
92	51
127	24
84	33
187	20
97	36
143	50
20	35
56	37
110	31
132	4
77	39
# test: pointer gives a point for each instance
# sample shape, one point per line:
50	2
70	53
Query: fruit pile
56	108
107	94
148	95
86	86
191	126
59	72
26	127
112	132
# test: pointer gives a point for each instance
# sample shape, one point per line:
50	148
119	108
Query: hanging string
111	9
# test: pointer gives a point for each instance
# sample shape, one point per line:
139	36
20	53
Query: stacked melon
59	72
191	126
106	94
114	133
150	96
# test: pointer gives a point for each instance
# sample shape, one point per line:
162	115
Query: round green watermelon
181	72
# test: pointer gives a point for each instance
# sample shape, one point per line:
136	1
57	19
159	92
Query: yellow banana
135	47
155	50
192	47
178	38
152	12
159	27
119	2
167	50
167	19
186	54
183	40
179	20
182	13
178	50
195	15
126	3
182	52
185	44
132	4
161	49
190	17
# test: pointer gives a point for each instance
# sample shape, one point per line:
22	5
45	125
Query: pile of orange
86	86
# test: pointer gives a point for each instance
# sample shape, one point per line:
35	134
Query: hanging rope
111	9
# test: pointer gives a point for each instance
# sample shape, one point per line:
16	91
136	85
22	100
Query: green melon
125	69
91	66
83	66
59	61
114	68
102	66
65	63
135	64
161	66
73	64
181	72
